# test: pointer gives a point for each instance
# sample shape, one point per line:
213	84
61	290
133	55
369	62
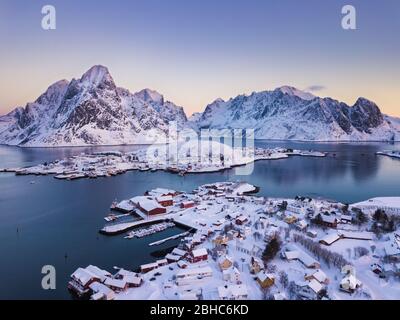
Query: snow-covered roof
125	205
161	191
313	232
182	263
315	286
307	260
123	273
243	187
330	238
350	281
178	252
319	275
303	257
380	202
137	199
362	235
101	274
149	266
346	217
328	219
164	198
302	224
186	203
173	257
231	271
149	205
194	272
83	276
280	296
291	255
97	296
262	276
133	280
222	259
199	252
232	291
101	288
117	283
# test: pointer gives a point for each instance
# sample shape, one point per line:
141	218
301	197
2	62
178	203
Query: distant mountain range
287	113
92	110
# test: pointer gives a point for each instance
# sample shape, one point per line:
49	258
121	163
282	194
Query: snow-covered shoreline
391	154
110	163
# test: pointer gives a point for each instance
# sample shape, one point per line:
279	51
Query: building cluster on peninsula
242	246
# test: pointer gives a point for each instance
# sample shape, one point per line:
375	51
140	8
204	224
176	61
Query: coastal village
240	246
190	158
236	245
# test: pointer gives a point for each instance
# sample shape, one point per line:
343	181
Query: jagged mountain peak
167	109
150	95
218	100
53	92
90	110
292	91
364	102
287	113
96	75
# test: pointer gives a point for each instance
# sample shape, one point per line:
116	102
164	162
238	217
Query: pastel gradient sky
196	51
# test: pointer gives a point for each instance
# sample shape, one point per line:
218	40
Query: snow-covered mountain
91	110
287	113
168	110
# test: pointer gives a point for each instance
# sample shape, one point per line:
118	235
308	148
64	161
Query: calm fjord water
56	222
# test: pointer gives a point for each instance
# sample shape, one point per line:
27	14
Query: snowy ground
218	209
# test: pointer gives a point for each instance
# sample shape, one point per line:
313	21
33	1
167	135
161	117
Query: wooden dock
177	236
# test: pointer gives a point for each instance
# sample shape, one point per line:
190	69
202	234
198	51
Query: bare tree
283	279
330	258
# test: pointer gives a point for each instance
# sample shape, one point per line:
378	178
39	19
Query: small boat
141	233
130	235
110	218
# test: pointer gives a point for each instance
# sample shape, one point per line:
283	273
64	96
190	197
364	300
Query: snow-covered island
392	154
242	246
188	158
